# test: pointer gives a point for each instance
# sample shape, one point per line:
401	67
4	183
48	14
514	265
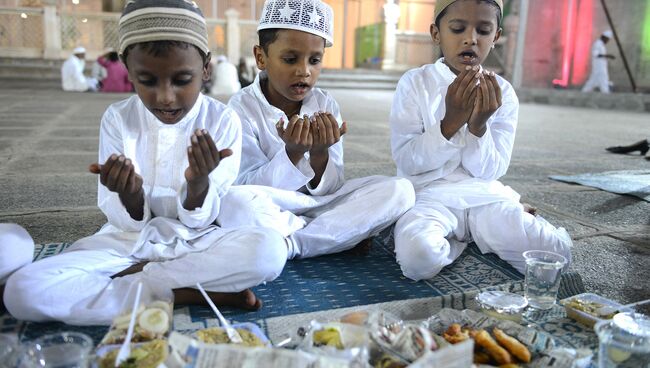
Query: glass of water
624	341
59	350
543	270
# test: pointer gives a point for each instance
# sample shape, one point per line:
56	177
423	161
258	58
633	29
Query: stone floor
48	138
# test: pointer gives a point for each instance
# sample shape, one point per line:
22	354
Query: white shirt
424	156
598	64
159	153
264	157
72	75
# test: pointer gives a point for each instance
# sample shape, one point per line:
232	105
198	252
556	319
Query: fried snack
484	340
481	357
510	365
454	334
328	336
218	335
149	355
512	345
358	318
386	361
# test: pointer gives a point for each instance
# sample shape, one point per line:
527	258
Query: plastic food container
502	305
588	308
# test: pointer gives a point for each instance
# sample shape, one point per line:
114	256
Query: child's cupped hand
118	175
296	136
326	132
203	157
461	94
486	103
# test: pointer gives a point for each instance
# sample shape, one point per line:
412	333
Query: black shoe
638	146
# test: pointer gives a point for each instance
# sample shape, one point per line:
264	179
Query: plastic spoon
233	335
125	349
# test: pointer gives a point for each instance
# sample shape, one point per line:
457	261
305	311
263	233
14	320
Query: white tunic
458	196
72	76
16	250
331	217
599	76
76	286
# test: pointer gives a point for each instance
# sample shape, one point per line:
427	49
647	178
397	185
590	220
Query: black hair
269	35
491	2
112	56
158	48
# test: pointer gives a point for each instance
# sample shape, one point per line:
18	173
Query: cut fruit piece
155	320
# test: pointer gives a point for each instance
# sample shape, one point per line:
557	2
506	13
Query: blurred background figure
117	77
599	77
72	73
99	72
226	80
245	72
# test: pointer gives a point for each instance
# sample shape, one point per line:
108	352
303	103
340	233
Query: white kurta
183	246
332	217
599	77
458	195
72	76
16	250
226	80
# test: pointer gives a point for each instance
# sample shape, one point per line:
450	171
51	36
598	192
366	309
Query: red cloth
117	77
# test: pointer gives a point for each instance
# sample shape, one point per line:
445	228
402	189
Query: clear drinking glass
624	341
59	350
543	270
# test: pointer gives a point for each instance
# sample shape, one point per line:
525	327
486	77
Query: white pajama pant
16	250
76	287
318	225
431	236
598	78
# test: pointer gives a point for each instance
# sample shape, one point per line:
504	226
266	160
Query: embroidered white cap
311	16
79	50
608	33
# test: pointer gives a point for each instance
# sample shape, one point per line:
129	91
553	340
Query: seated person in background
452	133
72	73
245	72
226	81
117	77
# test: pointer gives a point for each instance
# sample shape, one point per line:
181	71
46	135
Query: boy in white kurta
162	187
292	147
452	132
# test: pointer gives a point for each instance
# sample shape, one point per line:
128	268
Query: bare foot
244	299
131	270
529	208
363	248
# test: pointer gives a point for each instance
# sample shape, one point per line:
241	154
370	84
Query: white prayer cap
79	50
221	58
311	16
608	33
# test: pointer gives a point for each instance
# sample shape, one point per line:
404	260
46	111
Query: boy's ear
498	35
207	71
260	57
435	33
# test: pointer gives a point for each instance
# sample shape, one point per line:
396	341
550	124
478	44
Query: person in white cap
16	251
599	77
226	81
292	148
72	73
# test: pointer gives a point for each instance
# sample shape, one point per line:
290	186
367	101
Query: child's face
167	84
467	32
293	65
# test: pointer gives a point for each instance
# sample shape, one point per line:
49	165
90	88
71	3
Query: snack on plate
358	318
512	345
148	355
329	336
218	335
152	322
501	351
387	361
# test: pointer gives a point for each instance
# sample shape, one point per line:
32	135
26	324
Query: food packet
397	342
337	340
154	315
250	333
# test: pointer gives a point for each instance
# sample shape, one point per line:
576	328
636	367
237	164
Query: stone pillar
51	31
510	29
518	63
232	36
391	15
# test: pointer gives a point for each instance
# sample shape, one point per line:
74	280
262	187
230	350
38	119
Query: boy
161	186
292	149
452	131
